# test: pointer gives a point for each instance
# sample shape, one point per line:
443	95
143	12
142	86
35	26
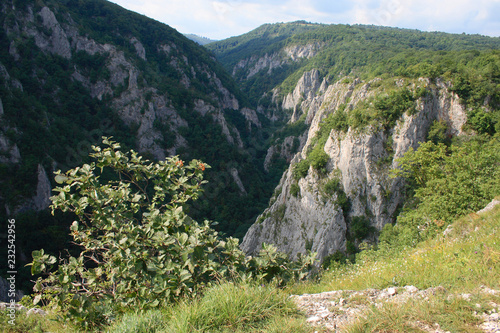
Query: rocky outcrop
251	117
57	42
302	214
307	94
139	104
272	61
334	310
236	177
8	287
156	106
285	150
41	200
298	52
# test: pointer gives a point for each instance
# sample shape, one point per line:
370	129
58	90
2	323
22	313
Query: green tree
138	246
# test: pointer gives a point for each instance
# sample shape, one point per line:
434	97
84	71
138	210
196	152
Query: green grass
33	324
463	262
226	307
467	257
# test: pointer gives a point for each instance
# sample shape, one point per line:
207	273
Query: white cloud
224	18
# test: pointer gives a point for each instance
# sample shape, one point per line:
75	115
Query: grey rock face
5	289
254	64
140	104
58	41
306	218
43	190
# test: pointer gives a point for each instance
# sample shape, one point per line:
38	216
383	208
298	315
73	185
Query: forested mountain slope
333	105
74	71
356	99
278	54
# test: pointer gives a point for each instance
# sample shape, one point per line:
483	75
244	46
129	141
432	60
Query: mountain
355	99
278	54
199	39
74	71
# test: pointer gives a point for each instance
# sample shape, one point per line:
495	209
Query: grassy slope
462	262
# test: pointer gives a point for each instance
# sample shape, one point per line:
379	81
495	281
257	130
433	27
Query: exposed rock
5	289
43	190
13	51
333	310
251	117
36	311
489	207
285	150
297	52
204	108
254	64
306	88
10	151
58	41
14	306
236	177
312	220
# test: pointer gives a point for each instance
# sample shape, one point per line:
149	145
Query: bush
337	121
334	259
332	186
301	169
448	183
360	228
139	248
389	108
319	158
295	190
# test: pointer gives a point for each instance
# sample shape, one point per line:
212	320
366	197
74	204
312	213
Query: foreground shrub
138	246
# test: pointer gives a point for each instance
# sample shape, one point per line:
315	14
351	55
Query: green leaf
60	178
37	299
151	267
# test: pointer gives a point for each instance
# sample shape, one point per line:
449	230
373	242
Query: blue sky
225	18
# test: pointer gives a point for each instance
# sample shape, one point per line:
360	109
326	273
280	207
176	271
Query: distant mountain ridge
275	55
200	39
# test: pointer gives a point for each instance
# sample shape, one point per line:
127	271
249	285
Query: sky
226	18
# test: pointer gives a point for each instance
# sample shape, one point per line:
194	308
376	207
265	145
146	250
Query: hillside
74	71
355	99
386	290
277	55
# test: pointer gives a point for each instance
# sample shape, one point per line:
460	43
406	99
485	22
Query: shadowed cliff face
308	212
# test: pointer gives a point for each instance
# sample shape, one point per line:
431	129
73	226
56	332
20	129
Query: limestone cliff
156	85
304	214
269	62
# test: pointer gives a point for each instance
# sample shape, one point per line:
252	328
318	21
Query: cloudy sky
225	18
